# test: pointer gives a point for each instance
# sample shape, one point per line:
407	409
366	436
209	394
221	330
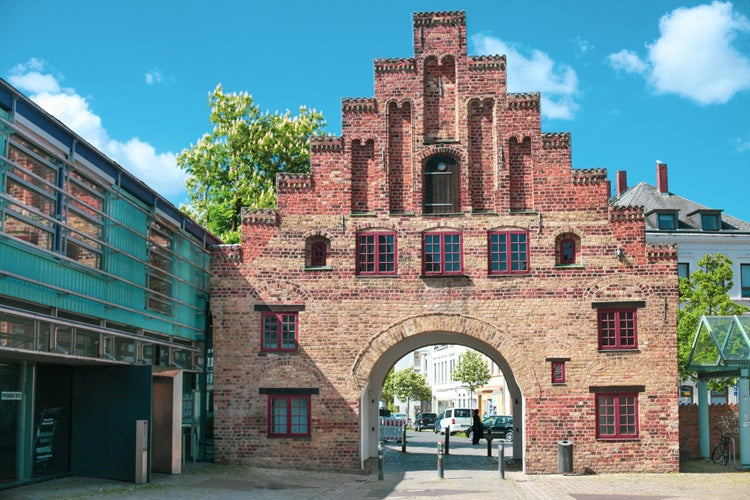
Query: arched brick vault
430	329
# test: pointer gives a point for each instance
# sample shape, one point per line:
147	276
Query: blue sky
633	82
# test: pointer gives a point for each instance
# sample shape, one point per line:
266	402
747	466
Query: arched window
318	254
441	185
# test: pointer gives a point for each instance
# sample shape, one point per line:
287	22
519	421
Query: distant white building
697	230
436	363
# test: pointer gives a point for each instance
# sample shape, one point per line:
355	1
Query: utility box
141	451
565	457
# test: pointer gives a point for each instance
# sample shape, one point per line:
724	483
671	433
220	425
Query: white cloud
157	170
628	61
535	71
154	77
694	56
743	145
582	45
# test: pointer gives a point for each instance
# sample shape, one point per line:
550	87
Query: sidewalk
464	477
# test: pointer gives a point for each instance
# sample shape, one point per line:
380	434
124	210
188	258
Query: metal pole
447	441
440	464
380	460
501	458
403	438
489	446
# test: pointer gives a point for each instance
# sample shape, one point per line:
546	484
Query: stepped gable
395	66
526	100
359	105
327	143
589	176
260	216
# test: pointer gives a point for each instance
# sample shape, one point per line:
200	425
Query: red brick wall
690	445
371	178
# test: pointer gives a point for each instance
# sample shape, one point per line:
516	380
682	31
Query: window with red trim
279	331
509	252
442	253
558	372
567	251
617	329
617	416
376	253
289	415
318	254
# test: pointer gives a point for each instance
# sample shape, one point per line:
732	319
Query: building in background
696	230
104	290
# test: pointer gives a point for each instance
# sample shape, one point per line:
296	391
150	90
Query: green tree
408	384
706	292
472	370
387	394
235	165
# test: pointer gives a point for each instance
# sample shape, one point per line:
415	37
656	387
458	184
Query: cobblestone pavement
467	474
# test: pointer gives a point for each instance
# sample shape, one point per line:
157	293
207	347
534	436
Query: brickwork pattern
511	176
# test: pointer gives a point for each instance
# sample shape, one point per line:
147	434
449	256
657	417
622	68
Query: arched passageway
386	349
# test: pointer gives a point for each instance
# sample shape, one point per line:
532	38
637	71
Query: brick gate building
443	214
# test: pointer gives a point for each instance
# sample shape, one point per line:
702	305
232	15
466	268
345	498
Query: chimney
662	184
622	182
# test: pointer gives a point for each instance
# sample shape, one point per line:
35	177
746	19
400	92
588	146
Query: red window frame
558	372
508	252
318	254
618	329
279	331
617	416
289	415
377	253
448	248
567	256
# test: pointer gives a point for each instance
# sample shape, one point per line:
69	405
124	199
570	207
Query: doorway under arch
386	349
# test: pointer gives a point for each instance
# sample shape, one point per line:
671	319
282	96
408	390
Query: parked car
455	420
425	421
496	426
438	423
401	416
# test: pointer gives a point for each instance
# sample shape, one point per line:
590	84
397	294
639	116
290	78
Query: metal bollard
447	441
403	438
501	458
380	460
440	463
489	446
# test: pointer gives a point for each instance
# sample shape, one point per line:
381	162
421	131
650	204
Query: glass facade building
104	290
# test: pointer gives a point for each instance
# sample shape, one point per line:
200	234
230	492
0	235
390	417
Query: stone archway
391	344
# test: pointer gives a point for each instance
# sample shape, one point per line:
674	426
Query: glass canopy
721	345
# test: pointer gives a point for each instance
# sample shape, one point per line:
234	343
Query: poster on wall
44	438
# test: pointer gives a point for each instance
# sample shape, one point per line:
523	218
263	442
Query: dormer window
710	221
667	221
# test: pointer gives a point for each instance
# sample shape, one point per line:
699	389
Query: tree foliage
387	394
706	292
472	370
235	165
410	385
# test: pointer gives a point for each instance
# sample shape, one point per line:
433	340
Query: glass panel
705	352
607	329
432	251
278	415
745	277
147	354
667	222
710	222
300	415
51	433
183	359
270	332
518	251
30	169
627	329
16	333
27	232
386	253
288	331
683	270
452	253
366	253
87	344
124	350
63	340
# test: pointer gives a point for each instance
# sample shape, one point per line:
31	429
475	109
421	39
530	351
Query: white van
455	420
